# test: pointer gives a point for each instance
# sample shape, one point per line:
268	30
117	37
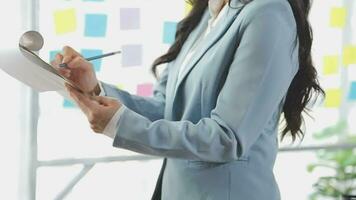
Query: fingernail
63	65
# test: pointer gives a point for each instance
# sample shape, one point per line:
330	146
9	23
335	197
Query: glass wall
333	122
11	103
143	30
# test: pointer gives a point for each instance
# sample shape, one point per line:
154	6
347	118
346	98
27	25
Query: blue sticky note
169	31
352	95
52	54
68	104
90	53
132	55
95	25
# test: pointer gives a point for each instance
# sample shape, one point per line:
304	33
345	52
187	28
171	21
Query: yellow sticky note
331	65
65	21
349	56
338	17
333	98
120	86
188	8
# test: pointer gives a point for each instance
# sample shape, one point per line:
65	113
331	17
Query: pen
94	57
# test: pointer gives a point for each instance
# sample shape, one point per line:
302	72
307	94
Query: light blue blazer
217	124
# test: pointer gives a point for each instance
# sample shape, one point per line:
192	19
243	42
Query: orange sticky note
65	21
338	17
333	98
349	56
331	65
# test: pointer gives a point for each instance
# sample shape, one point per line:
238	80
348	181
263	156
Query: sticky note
132	55
65	21
95	25
68	104
352	94
331	65
52	54
130	18
188	7
349	56
169	31
93	0
145	89
338	17
90	53
333	98
120	86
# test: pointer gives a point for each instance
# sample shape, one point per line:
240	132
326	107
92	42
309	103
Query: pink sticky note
145	89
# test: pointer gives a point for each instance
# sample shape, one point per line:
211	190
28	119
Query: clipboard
44	65
30	69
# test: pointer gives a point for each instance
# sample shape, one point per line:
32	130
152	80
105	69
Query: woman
234	67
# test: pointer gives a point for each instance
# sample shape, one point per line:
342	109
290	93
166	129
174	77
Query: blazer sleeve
257	82
150	107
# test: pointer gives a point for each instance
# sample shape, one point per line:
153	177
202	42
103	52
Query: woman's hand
79	71
99	110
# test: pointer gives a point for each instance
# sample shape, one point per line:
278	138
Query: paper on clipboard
31	70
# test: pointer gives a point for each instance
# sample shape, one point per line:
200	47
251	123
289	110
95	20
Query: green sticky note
65	21
338	17
349	56
333	98
331	65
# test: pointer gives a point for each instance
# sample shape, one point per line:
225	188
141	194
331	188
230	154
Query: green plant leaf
341	162
311	167
331	130
314	196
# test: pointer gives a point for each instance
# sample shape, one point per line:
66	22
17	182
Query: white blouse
211	24
110	129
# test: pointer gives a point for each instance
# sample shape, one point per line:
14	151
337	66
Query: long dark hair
305	83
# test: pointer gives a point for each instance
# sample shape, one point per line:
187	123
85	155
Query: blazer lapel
215	34
188	44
